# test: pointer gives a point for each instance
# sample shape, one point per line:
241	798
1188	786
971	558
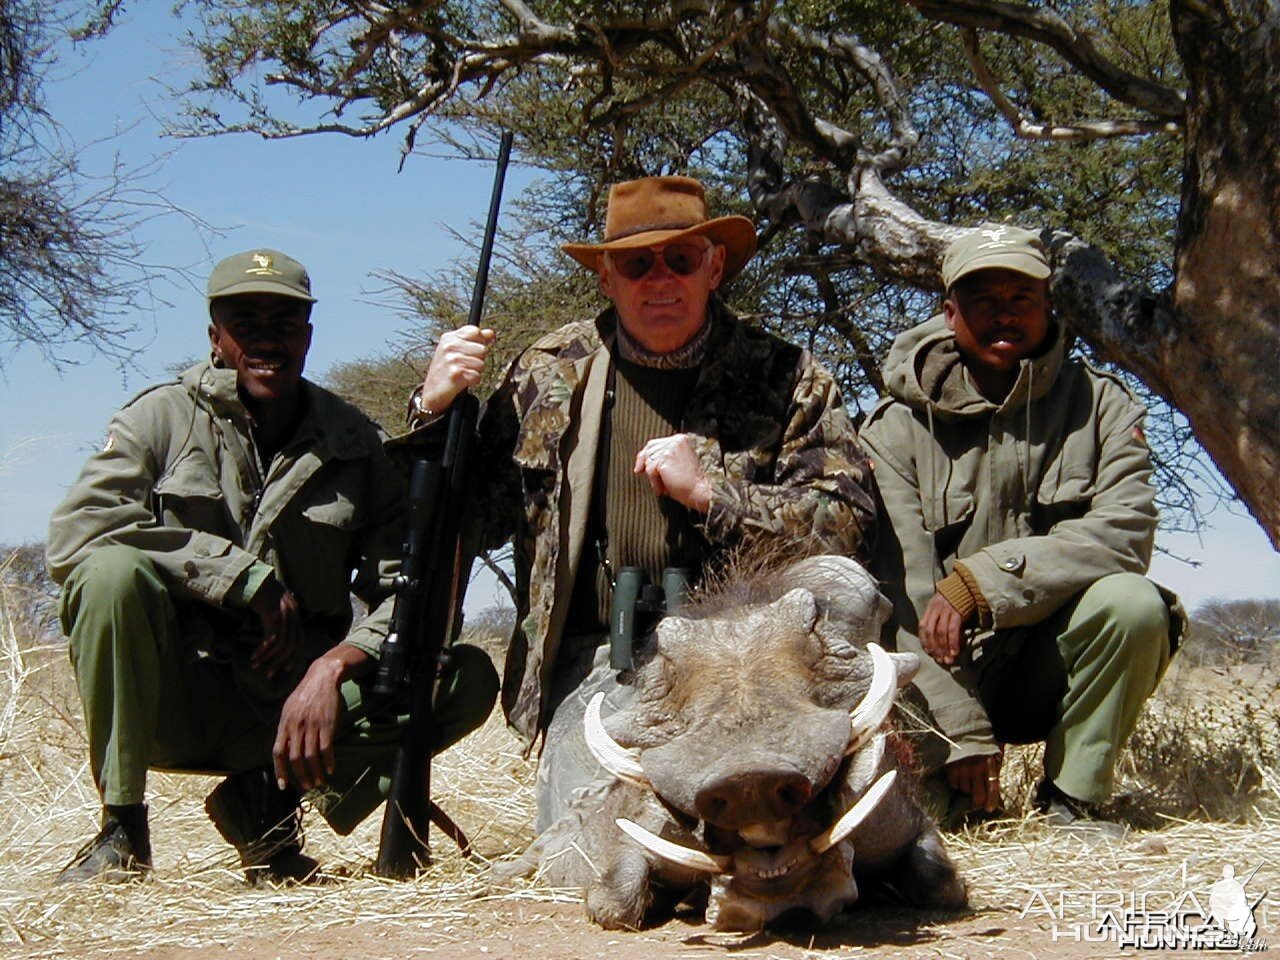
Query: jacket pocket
947	515
188	495
320	573
539	464
1061	498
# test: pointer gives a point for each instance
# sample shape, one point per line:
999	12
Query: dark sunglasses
681	259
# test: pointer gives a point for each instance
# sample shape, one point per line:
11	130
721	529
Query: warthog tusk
674	852
868	760
875	706
617	759
853	816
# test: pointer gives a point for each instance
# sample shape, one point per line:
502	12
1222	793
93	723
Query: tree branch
1073	132
867	62
1075	46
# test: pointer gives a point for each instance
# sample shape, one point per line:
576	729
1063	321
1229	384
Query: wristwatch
418	410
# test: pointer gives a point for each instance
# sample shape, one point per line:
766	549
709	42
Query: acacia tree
72	270
862	133
1236	631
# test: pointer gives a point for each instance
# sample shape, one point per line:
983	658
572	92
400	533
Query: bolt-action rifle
427	614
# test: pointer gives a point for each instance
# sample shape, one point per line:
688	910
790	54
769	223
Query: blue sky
338	205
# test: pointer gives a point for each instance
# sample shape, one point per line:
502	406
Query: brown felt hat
658	210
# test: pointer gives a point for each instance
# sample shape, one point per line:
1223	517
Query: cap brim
736	234
1023	263
262	286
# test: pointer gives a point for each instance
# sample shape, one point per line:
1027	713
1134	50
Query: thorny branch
1094	130
1043	25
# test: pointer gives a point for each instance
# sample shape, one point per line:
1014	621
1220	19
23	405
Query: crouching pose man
1017	486
208	554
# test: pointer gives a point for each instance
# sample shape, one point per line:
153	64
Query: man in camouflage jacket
208	554
756	448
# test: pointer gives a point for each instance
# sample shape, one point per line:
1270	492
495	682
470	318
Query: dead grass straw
196	898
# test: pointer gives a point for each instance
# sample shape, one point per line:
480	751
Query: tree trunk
1221	362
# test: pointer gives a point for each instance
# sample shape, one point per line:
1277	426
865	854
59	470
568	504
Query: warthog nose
742	799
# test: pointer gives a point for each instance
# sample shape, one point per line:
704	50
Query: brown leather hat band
653	227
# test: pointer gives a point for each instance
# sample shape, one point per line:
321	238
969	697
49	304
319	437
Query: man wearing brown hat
207	555
654	436
1017	486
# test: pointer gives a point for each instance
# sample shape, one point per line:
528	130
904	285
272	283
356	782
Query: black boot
264	824
1063	810
120	853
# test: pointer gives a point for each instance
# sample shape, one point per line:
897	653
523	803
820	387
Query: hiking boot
1065	811
264	824
120	853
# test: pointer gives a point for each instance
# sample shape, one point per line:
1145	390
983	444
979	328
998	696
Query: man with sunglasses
657	435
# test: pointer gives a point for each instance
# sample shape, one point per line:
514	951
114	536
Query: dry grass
196	899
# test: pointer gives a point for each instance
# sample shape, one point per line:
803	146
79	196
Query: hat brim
1024	263
736	234
262	286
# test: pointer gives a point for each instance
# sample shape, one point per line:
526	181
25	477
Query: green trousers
152	700
1078	680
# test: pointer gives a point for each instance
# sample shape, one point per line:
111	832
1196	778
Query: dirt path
560	931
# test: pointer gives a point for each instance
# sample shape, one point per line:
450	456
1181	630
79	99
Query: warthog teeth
868	715
617	759
776	872
673	852
854	815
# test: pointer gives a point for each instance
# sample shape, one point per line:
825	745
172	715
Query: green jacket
771	432
1037	497
179	478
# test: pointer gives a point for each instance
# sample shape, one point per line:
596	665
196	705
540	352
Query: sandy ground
553	931
195	907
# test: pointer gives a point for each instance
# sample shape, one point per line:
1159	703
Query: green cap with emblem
995	245
260	271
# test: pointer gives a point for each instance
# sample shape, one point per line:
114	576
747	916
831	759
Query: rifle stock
427	614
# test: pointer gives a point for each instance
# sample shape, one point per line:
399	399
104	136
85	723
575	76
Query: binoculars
638	605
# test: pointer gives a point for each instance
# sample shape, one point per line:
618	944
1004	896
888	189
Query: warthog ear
798	607
844	589
907	665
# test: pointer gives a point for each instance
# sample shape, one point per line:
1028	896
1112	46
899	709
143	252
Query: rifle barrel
426	616
490	228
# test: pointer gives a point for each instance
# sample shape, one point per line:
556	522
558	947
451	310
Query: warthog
746	758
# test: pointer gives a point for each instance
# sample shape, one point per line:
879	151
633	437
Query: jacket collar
327	426
925	371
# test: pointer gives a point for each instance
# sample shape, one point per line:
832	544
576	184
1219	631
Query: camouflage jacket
1039	496
179	478
770	429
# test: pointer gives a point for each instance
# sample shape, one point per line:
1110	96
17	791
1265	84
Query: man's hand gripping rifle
427	614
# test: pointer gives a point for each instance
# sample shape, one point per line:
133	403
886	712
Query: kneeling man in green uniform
208	554
1017	483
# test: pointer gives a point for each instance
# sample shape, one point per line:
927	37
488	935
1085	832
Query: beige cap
260	271
994	245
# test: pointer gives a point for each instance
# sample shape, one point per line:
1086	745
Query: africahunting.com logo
1225	916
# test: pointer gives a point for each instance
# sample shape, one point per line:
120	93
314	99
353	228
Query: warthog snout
750	797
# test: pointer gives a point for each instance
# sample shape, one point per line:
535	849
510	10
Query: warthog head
753	756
